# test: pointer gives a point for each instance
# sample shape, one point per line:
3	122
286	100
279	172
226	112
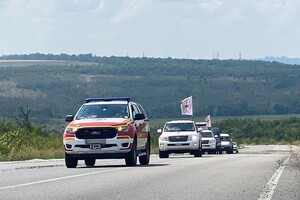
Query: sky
194	29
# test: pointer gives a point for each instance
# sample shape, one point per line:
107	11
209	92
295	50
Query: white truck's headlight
193	137
164	138
212	141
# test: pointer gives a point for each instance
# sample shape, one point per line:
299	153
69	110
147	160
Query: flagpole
192	109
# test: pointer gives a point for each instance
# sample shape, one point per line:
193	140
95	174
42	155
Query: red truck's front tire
70	161
131	157
144	160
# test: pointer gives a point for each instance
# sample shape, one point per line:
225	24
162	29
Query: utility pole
240	56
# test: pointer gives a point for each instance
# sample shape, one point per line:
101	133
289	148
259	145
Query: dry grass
297	143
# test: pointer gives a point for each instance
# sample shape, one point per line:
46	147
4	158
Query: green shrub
28	143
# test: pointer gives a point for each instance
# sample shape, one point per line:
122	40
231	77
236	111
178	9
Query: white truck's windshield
207	134
179	127
225	138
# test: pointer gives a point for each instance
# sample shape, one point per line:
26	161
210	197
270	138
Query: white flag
187	106
208	121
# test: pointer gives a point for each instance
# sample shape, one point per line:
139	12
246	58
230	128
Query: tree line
260	131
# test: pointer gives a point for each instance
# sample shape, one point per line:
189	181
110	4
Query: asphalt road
257	172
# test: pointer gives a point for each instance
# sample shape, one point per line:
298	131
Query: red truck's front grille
96	133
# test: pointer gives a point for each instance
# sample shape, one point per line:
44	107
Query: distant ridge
24	63
282	59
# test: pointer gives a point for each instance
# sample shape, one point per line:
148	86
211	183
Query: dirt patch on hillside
10	89
87	78
90	78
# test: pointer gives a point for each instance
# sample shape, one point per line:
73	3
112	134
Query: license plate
95	146
95	141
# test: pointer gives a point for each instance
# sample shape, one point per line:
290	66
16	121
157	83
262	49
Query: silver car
235	147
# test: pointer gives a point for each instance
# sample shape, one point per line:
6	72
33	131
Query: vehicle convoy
209	143
107	128
217	132
179	136
226	143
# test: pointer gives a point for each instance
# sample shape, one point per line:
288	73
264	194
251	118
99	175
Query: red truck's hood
100	122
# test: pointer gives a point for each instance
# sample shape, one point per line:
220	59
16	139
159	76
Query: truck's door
139	125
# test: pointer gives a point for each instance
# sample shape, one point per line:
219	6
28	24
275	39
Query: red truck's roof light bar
87	100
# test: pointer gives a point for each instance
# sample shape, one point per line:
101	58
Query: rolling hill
53	88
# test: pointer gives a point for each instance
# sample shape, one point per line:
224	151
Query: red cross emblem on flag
186	105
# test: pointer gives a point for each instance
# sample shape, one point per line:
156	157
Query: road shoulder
289	183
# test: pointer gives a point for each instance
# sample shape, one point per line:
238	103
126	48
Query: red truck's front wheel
131	157
70	161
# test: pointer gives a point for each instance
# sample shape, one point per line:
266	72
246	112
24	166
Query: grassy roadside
23	145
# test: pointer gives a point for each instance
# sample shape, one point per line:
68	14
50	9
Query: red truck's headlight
123	129
70	130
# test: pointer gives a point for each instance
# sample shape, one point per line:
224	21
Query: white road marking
74	176
272	183
60	178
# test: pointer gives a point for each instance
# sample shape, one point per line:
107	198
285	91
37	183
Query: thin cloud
78	5
129	10
210	6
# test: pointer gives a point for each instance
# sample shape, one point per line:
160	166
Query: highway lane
235	176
